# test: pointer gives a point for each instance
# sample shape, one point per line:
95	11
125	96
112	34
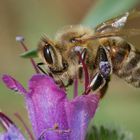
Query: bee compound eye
48	54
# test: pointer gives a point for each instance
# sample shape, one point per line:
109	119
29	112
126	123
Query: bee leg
103	62
97	83
101	78
105	66
39	67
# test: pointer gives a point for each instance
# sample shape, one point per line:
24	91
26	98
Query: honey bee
97	53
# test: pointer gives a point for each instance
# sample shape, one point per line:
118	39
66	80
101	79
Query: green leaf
106	9
107	133
29	54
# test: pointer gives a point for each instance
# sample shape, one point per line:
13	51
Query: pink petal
45	103
79	113
52	115
48	106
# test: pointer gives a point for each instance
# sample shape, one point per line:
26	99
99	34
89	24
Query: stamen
25	126
20	39
75	86
5	121
2	125
86	74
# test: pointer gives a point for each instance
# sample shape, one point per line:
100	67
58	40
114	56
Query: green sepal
30	54
108	133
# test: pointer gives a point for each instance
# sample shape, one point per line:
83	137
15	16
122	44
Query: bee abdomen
130	70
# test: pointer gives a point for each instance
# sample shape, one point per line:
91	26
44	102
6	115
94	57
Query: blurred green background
32	19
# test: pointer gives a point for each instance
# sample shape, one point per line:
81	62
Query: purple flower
53	116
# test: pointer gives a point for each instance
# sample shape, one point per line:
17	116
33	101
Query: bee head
51	56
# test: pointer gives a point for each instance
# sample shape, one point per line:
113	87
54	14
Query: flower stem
75	87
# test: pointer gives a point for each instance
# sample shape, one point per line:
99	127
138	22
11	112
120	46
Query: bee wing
113	33
117	23
115	27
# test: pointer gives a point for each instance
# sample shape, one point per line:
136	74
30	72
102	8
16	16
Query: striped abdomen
129	69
